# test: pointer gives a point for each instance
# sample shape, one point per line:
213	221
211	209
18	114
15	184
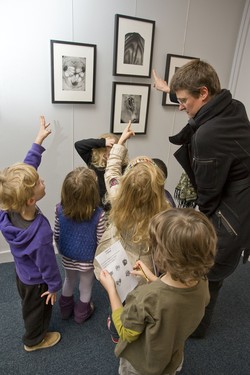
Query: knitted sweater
78	240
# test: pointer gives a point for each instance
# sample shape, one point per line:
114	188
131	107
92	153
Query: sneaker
114	339
50	339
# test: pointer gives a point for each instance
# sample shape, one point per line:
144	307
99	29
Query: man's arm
161	85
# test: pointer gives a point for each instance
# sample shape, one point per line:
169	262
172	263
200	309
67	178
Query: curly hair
17	184
183	242
139	197
80	194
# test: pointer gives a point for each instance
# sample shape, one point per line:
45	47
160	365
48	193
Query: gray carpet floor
88	349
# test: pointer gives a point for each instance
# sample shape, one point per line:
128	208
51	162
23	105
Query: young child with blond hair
135	196
30	238
95	153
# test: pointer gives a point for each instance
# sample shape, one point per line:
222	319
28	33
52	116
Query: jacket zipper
225	222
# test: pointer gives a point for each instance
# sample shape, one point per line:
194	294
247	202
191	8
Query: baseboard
6	256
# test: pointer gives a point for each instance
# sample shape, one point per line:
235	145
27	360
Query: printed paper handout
115	260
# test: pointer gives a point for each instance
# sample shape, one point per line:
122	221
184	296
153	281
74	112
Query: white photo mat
121	89
80	51
124	25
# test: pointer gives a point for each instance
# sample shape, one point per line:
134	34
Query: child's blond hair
17	184
80	194
140	196
183	242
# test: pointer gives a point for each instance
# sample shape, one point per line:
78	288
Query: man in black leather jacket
215	153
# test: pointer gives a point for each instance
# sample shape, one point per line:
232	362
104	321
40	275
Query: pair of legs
36	314
83	309
86	281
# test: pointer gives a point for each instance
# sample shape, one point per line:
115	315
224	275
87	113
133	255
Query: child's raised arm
34	155
43	132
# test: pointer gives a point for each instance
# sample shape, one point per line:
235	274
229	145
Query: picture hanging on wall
133	46
130	102
73	68
173	63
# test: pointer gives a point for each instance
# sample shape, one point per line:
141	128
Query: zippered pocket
225	223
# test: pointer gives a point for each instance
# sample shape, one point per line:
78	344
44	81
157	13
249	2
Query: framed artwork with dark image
73	67
130	102
133	46
172	64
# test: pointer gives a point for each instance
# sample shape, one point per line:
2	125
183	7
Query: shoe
66	306
50	339
114	339
83	311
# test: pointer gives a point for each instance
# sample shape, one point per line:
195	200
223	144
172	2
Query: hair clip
137	161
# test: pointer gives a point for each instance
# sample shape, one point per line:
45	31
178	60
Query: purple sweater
32	248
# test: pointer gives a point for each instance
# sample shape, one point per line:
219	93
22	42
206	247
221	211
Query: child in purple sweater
30	238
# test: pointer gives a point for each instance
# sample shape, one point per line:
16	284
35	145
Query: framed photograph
173	63
133	46
130	102
73	67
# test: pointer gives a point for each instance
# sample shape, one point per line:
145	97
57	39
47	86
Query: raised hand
127	133
43	132
159	83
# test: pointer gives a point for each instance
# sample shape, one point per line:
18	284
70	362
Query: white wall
206	29
240	74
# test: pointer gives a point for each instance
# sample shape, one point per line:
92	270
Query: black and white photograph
130	102
73	72
133	46
172	64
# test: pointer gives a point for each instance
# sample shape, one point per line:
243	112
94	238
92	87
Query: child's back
157	318
79	226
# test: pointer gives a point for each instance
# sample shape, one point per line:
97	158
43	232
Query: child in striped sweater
79	225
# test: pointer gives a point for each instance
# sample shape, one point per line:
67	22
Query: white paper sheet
115	260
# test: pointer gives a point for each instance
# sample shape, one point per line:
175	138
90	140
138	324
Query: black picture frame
133	46
173	62
130	101
73	72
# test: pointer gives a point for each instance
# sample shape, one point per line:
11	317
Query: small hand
110	142
159	83
43	132
51	297
140	269
107	280
127	133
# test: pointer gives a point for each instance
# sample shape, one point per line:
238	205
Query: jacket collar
206	113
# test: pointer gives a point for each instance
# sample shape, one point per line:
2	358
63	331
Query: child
160	163
95	153
79	225
30	237
136	196
158	317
